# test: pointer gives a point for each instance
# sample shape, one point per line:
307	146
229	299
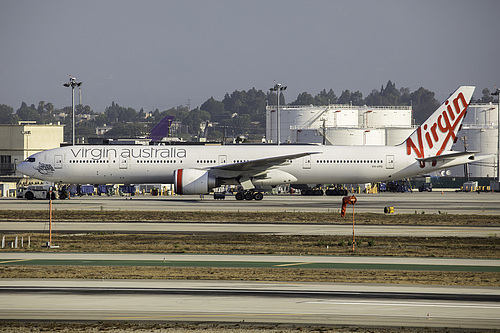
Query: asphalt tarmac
254	228
408	203
250	302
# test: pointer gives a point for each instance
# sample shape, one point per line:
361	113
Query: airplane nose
26	168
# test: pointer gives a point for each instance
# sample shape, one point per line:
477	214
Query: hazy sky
159	54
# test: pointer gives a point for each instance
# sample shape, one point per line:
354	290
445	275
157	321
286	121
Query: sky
165	53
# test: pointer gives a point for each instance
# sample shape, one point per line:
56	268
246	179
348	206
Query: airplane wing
256	167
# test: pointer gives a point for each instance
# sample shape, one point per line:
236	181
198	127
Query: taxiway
408	203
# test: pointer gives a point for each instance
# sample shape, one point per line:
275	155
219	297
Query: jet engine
193	181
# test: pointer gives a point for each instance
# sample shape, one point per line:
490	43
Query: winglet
439	131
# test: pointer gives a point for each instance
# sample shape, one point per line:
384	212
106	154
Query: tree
241	122
28	113
424	104
487	97
251	102
386	96
85	129
194	119
271	98
404	96
101	119
389	95
215	109
304	99
325	98
49	113
357	98
214	135
345	97
128	130
7	115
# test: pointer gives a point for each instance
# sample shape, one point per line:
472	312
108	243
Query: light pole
497	93
278	88
27	134
72	83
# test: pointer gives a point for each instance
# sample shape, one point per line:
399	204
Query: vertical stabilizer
439	131
161	129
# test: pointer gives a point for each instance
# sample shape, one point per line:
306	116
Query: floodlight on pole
278	87
72	83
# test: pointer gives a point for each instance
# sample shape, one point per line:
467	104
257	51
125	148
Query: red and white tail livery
439	131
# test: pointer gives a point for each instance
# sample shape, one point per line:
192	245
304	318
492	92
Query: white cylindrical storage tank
485	114
344	136
296	117
306	136
385	117
396	135
343	118
299	116
482	140
355	136
374	137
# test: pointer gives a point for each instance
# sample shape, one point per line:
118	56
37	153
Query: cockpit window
30	159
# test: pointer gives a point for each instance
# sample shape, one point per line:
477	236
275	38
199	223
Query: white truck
35	192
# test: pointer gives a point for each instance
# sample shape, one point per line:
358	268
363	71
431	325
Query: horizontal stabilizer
448	156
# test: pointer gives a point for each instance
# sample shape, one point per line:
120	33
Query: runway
407	203
255	228
257	302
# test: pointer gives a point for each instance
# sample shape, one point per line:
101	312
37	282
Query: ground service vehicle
35	192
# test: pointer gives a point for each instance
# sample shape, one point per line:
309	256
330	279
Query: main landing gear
249	195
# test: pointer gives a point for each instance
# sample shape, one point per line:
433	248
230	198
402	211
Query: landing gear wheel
239	196
249	195
258	196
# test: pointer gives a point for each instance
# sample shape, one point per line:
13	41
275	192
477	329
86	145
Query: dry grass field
253	217
236	243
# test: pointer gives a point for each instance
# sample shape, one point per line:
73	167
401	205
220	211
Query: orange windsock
347	200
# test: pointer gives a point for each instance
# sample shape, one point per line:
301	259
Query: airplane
195	169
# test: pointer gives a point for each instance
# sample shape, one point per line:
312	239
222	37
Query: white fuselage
198	169
134	164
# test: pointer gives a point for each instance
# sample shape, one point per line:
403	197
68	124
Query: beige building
19	141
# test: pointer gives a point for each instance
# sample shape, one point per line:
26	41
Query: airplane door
306	162
222	159
58	161
389	162
123	162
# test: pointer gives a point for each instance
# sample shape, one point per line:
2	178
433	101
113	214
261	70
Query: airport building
17	142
